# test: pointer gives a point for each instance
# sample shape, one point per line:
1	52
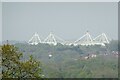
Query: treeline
66	61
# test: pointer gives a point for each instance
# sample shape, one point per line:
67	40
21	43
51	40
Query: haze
20	20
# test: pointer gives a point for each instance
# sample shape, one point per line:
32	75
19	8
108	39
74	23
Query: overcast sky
67	20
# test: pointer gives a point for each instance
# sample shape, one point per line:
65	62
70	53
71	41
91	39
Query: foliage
67	62
13	67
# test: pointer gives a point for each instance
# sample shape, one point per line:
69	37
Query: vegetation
14	67
66	61
69	62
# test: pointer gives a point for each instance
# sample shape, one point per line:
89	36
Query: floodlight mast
50	39
101	39
105	37
53	39
86	39
35	39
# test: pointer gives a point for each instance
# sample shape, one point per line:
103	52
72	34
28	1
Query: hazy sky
0	22
67	20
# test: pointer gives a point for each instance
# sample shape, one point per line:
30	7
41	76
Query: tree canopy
14	67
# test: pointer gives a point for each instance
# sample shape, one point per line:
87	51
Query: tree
14	67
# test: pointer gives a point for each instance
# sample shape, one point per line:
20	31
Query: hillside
71	61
